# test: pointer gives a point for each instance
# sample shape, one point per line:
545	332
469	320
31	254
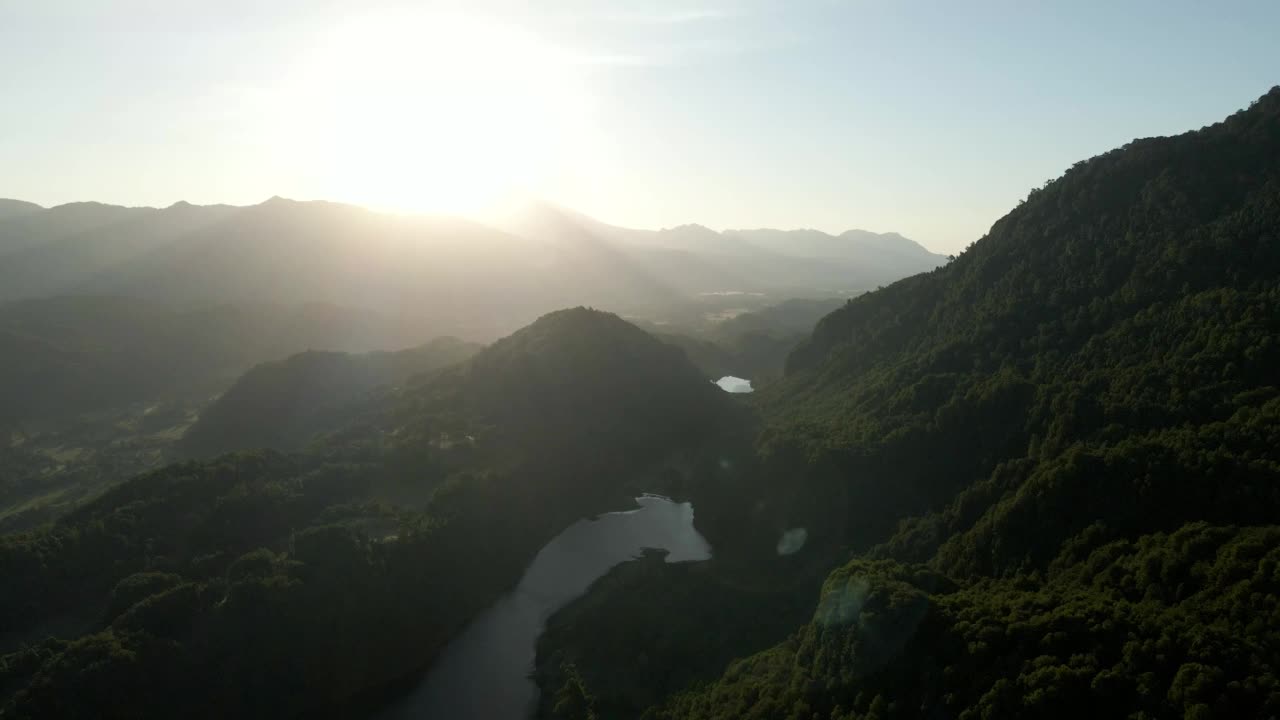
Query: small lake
484	673
732	384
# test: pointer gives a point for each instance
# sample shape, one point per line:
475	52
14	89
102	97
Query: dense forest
1055	460
283	404
295	582
1039	481
96	389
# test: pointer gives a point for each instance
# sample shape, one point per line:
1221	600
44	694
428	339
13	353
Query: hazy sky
932	119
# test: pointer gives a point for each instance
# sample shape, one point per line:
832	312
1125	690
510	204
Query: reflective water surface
732	384
484	673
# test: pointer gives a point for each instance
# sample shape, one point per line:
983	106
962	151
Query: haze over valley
429	274
116	315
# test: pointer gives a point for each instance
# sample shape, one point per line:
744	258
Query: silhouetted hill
437	275
363	555
24	229
869	259
68	355
283	404
67	246
14	208
580	378
442	274
435	272
694	259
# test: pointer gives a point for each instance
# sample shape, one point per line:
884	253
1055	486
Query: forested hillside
67	355
96	389
283	404
1077	422
319	399
293	583
1040	481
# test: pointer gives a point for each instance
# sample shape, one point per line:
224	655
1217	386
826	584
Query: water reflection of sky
484	672
732	384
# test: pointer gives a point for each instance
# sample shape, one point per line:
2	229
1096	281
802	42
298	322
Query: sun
418	111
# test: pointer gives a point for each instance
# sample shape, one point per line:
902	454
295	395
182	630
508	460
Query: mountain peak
595	347
582	372
573	325
84	205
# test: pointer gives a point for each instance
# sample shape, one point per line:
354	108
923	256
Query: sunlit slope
1081	412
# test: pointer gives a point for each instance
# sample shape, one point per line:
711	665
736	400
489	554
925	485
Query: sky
931	119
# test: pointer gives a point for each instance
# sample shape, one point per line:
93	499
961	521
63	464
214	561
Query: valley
333	462
483	673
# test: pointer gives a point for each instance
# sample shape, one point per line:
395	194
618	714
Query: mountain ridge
452	276
27	206
1055	459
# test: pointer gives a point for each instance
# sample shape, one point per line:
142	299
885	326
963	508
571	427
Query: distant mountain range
446	274
694	259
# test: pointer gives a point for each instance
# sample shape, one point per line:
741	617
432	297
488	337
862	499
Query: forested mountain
292	583
283	404
96	389
1042	480
1078	423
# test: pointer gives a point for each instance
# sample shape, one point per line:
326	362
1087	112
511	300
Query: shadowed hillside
67	355
281	405
348	566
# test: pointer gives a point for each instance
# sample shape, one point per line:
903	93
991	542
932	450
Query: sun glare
429	112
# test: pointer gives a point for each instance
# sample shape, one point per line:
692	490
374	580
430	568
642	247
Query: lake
732	384
484	673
